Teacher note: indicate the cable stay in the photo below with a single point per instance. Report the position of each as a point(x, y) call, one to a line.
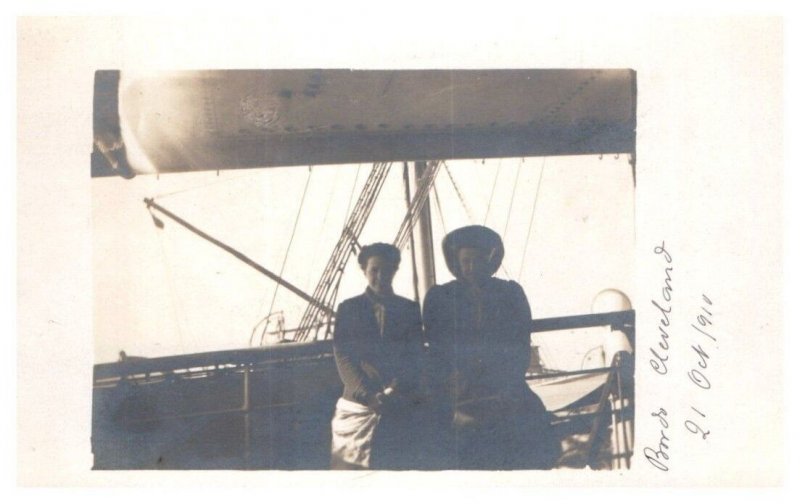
point(511, 204)
point(530, 223)
point(491, 195)
point(216, 182)
point(288, 249)
point(350, 199)
point(439, 208)
point(324, 225)
point(461, 198)
point(175, 300)
point(328, 286)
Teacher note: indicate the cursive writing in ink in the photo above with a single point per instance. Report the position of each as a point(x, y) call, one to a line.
point(694, 427)
point(660, 353)
point(698, 374)
point(658, 457)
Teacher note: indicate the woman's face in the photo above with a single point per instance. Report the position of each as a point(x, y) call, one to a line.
point(474, 265)
point(379, 273)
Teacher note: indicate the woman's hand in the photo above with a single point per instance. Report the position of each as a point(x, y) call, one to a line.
point(376, 402)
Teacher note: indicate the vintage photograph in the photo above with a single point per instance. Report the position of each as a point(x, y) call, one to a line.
point(348, 269)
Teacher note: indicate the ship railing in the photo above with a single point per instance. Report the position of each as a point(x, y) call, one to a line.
point(608, 413)
point(616, 397)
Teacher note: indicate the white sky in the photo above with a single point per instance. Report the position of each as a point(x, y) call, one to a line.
point(166, 291)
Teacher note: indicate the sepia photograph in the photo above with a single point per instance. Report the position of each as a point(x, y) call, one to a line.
point(402, 247)
point(363, 269)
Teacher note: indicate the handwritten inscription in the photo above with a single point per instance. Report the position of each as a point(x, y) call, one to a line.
point(660, 353)
point(693, 427)
point(698, 374)
point(702, 345)
point(659, 456)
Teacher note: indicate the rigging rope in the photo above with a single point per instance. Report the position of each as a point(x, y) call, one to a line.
point(327, 288)
point(202, 186)
point(530, 224)
point(439, 208)
point(460, 196)
point(352, 193)
point(491, 196)
point(508, 216)
point(175, 303)
point(314, 256)
point(420, 197)
point(288, 248)
point(511, 205)
point(466, 208)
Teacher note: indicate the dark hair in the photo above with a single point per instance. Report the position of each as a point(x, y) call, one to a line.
point(385, 250)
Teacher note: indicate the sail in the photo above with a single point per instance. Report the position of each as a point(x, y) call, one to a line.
point(225, 119)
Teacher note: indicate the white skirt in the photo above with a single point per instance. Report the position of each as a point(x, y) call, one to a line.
point(353, 427)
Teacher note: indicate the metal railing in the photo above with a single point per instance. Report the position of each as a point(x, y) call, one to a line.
point(615, 403)
point(240, 365)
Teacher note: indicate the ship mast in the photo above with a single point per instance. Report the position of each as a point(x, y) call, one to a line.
point(423, 236)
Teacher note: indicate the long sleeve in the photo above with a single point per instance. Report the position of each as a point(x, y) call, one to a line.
point(507, 352)
point(519, 357)
point(439, 335)
point(358, 385)
point(411, 362)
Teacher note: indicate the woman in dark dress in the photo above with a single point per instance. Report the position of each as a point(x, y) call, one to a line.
point(378, 347)
point(478, 328)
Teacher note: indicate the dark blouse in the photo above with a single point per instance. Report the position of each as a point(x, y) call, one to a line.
point(369, 361)
point(480, 351)
point(479, 339)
